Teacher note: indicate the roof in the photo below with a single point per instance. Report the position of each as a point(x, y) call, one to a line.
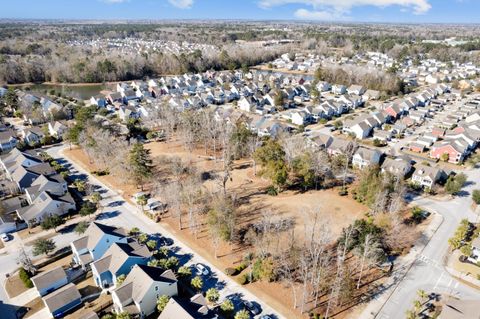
point(424, 171)
point(367, 154)
point(460, 309)
point(174, 310)
point(96, 231)
point(118, 254)
point(139, 281)
point(45, 279)
point(61, 297)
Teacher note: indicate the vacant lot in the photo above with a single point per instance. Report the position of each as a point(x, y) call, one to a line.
point(336, 211)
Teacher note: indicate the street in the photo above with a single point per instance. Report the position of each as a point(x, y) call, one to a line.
point(428, 271)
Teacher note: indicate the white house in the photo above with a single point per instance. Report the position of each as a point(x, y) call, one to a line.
point(141, 290)
point(364, 157)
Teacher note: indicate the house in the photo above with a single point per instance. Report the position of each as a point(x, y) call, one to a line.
point(339, 89)
point(49, 281)
point(323, 86)
point(361, 130)
point(299, 117)
point(195, 308)
point(57, 129)
point(139, 293)
point(426, 176)
point(381, 135)
point(247, 104)
point(118, 260)
point(356, 89)
point(364, 157)
point(98, 240)
point(63, 300)
point(371, 95)
point(32, 135)
point(398, 166)
point(8, 140)
point(394, 111)
point(454, 151)
point(53, 184)
point(99, 101)
point(460, 309)
point(46, 204)
point(416, 147)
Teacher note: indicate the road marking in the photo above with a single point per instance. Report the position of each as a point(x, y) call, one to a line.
point(438, 281)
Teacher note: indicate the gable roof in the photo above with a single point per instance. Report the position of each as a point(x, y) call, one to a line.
point(118, 254)
point(45, 279)
point(61, 297)
point(96, 231)
point(139, 281)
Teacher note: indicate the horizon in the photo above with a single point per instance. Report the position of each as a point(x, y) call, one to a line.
point(304, 11)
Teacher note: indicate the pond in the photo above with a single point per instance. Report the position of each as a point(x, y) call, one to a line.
point(83, 92)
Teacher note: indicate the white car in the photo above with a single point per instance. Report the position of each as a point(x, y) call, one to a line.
point(202, 269)
point(5, 237)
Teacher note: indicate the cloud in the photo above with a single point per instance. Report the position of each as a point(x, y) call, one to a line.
point(182, 4)
point(339, 9)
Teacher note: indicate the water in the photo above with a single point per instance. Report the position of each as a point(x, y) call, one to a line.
point(83, 92)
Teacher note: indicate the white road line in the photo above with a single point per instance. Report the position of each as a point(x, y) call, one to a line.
point(439, 278)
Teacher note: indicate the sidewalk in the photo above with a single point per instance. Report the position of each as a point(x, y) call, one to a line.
point(403, 265)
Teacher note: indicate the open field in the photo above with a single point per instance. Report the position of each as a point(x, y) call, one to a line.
point(336, 211)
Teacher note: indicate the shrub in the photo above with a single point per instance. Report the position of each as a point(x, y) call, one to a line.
point(476, 196)
point(243, 280)
point(25, 278)
point(231, 271)
point(272, 191)
point(241, 267)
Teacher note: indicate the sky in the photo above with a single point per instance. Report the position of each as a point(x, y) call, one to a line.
point(394, 11)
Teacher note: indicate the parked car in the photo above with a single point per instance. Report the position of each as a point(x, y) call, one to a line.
point(5, 237)
point(202, 269)
point(253, 307)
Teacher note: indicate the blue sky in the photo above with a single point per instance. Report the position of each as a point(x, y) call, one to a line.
point(431, 11)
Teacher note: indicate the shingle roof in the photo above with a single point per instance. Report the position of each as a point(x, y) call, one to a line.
point(45, 279)
point(61, 297)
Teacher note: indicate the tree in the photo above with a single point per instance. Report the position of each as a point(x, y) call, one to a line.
point(81, 227)
point(96, 198)
point(152, 244)
point(81, 185)
point(455, 183)
point(184, 271)
point(120, 279)
point(43, 246)
point(212, 295)
point(123, 315)
point(52, 222)
point(142, 201)
point(140, 164)
point(272, 158)
point(25, 278)
point(197, 283)
point(242, 314)
point(227, 306)
point(87, 209)
point(134, 231)
point(476, 196)
point(162, 302)
point(142, 238)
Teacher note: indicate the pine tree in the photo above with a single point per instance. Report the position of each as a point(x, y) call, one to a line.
point(140, 163)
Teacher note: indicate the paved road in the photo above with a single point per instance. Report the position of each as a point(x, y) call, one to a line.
point(120, 213)
point(428, 272)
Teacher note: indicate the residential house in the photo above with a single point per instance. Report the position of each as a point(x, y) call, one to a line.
point(339, 89)
point(32, 135)
point(371, 95)
point(356, 89)
point(196, 307)
point(98, 240)
point(365, 157)
point(426, 176)
point(8, 140)
point(63, 300)
point(118, 260)
point(139, 293)
point(454, 151)
point(46, 204)
point(398, 166)
point(361, 130)
point(49, 281)
point(57, 129)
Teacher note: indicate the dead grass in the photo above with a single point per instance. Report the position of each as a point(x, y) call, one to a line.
point(335, 210)
point(35, 306)
point(14, 286)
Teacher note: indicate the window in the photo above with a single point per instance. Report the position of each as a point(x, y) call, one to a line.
point(156, 288)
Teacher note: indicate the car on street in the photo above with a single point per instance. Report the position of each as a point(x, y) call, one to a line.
point(202, 269)
point(253, 307)
point(5, 237)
